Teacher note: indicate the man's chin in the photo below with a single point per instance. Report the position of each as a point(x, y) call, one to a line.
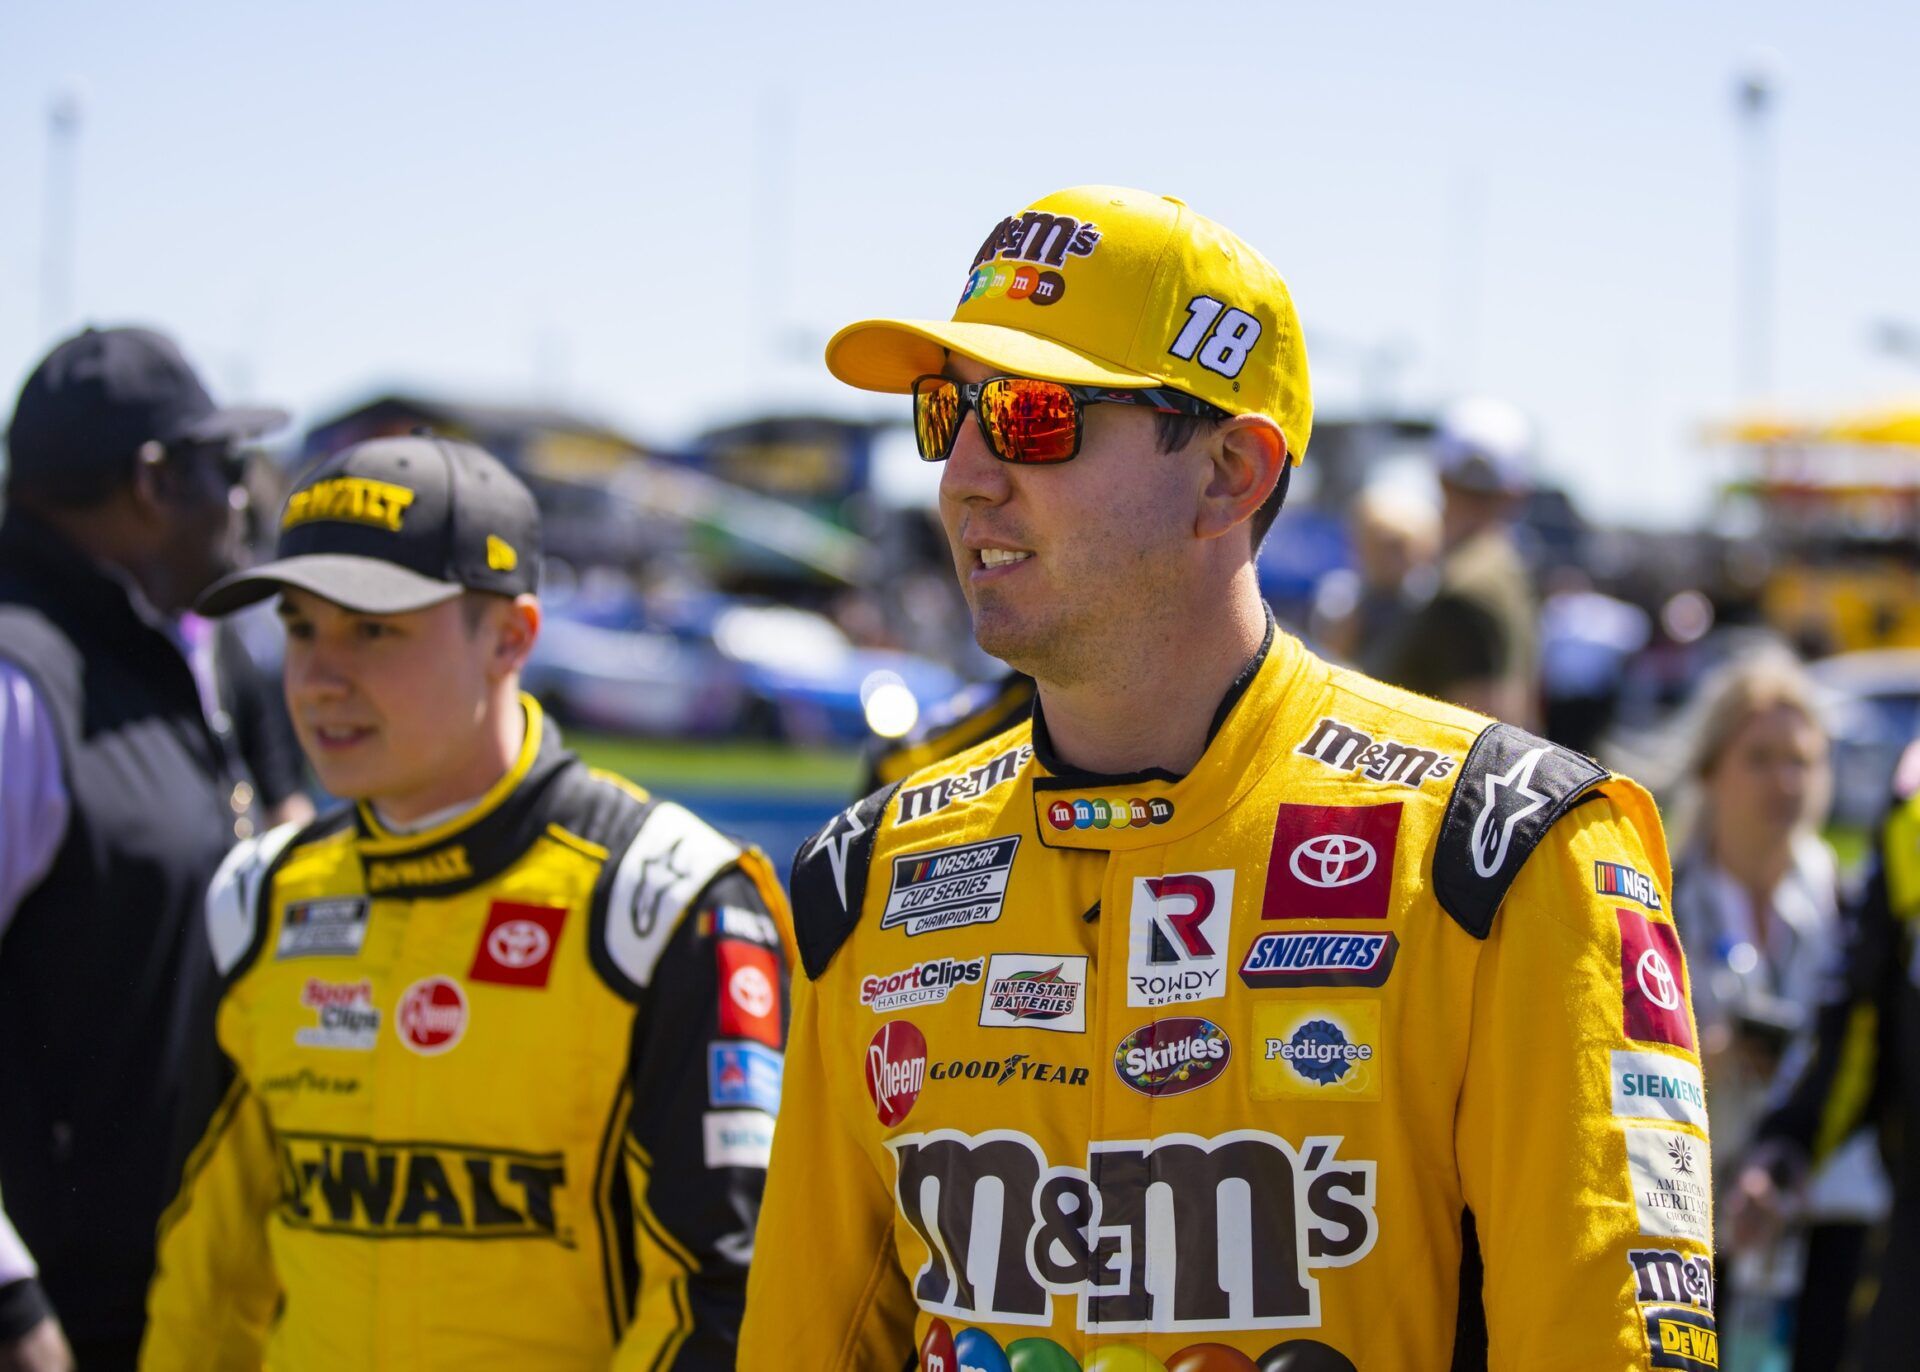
point(1018, 645)
point(346, 782)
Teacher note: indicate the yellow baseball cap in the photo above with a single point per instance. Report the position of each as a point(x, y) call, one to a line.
point(1105, 286)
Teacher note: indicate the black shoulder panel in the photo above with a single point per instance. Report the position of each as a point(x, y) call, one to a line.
point(829, 882)
point(596, 806)
point(1509, 792)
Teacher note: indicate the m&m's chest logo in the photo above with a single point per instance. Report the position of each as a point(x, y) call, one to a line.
point(1099, 813)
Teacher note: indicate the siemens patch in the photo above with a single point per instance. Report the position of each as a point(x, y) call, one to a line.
point(950, 887)
point(1658, 1086)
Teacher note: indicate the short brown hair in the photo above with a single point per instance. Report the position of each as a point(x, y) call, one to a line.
point(1177, 430)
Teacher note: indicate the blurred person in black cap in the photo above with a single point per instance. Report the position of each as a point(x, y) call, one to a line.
point(1476, 641)
point(120, 789)
point(574, 989)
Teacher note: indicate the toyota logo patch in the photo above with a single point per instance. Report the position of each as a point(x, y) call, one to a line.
point(1656, 980)
point(1333, 860)
point(518, 943)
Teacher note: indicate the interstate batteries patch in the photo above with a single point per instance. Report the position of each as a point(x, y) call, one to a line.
point(950, 887)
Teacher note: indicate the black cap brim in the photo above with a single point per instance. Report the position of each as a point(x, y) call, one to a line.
point(365, 585)
point(236, 424)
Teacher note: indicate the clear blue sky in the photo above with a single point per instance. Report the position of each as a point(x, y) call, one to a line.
point(659, 212)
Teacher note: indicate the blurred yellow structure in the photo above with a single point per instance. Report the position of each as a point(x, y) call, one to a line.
point(1834, 508)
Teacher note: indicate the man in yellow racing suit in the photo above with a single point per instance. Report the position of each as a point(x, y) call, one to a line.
point(1237, 1011)
point(495, 1078)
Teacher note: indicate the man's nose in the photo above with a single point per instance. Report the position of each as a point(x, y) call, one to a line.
point(971, 472)
point(315, 674)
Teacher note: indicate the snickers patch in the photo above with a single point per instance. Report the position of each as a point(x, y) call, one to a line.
point(1319, 959)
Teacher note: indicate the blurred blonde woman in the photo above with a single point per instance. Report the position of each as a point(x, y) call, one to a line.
point(1756, 900)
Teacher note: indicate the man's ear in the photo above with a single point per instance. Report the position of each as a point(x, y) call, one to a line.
point(148, 491)
point(1248, 454)
point(517, 626)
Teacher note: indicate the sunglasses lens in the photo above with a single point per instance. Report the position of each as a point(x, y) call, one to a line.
point(1028, 420)
point(936, 413)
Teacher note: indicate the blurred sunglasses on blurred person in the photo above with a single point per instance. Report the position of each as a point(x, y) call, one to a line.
point(193, 470)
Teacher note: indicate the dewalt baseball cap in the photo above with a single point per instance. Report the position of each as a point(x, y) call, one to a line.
point(397, 524)
point(1105, 286)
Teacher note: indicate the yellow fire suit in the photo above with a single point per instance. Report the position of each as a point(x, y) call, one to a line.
point(496, 1095)
point(1366, 1043)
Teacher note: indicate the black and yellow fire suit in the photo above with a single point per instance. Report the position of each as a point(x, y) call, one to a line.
point(1861, 1065)
point(1366, 1043)
point(497, 1095)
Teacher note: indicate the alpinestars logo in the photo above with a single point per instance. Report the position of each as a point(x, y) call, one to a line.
point(1509, 799)
point(837, 841)
point(652, 888)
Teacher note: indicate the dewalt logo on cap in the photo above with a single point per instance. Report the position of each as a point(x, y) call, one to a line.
point(500, 554)
point(351, 499)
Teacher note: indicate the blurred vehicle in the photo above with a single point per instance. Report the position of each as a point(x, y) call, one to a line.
point(1835, 504)
point(1872, 700)
point(710, 666)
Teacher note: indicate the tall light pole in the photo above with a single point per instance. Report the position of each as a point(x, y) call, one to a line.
point(57, 225)
point(772, 219)
point(1754, 94)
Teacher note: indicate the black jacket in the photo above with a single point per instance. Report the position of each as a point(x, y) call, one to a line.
point(104, 973)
